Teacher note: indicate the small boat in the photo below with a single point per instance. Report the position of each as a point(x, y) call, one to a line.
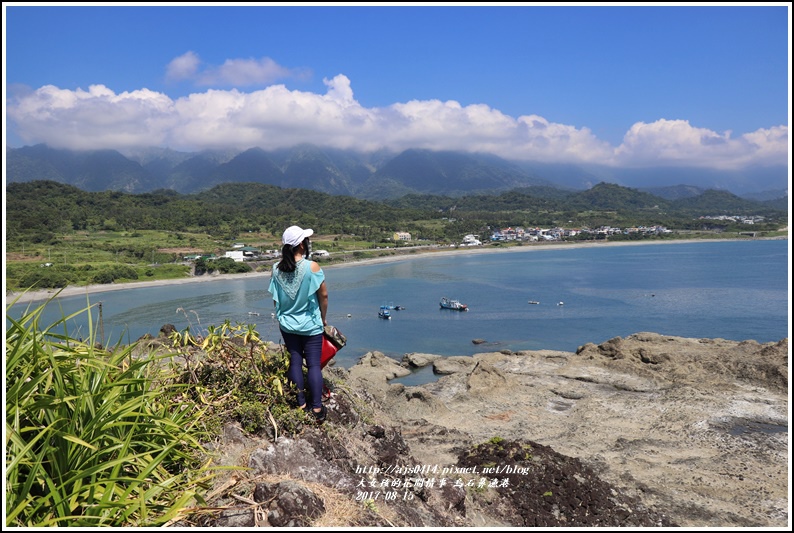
point(534, 302)
point(560, 303)
point(253, 313)
point(384, 312)
point(449, 303)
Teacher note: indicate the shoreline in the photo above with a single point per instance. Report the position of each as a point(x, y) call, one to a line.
point(46, 294)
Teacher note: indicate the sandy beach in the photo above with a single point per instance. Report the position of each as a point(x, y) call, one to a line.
point(31, 296)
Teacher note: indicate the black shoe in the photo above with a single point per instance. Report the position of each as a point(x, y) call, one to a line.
point(320, 417)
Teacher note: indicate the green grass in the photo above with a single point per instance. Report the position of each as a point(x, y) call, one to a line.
point(99, 246)
point(77, 257)
point(94, 437)
point(112, 436)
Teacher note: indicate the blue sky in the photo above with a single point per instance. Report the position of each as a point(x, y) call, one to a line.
point(618, 85)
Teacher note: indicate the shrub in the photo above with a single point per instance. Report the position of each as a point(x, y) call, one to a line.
point(103, 276)
point(227, 265)
point(45, 278)
point(111, 274)
point(239, 378)
point(94, 437)
point(252, 416)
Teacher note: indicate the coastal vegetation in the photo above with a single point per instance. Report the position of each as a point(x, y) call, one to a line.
point(93, 437)
point(121, 436)
point(58, 235)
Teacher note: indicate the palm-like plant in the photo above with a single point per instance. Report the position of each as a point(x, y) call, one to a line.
point(94, 437)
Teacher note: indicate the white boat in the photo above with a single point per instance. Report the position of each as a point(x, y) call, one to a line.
point(534, 302)
point(449, 303)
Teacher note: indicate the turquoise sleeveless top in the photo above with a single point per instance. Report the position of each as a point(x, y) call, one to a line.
point(295, 294)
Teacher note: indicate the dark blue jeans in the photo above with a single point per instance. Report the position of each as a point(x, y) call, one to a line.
point(310, 348)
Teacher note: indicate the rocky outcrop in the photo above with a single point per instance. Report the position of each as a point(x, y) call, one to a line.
point(647, 430)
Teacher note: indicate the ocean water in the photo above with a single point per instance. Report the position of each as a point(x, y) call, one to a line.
point(735, 290)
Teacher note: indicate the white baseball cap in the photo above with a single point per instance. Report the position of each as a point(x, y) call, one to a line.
point(294, 235)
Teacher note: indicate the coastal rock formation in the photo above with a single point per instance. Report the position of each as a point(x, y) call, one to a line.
point(647, 430)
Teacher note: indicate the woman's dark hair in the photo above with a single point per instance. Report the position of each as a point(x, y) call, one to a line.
point(287, 263)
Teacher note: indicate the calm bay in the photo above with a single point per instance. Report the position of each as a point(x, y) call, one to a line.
point(736, 290)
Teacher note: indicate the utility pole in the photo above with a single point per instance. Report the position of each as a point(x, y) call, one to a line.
point(101, 326)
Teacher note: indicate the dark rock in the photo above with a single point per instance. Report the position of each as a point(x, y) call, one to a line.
point(538, 487)
point(236, 517)
point(377, 431)
point(289, 504)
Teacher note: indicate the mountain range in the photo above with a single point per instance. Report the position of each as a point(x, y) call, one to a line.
point(378, 175)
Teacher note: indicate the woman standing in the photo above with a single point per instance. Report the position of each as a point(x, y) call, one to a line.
point(301, 299)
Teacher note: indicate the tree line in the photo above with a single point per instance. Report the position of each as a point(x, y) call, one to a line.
point(38, 211)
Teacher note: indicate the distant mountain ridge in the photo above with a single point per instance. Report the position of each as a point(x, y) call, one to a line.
point(374, 176)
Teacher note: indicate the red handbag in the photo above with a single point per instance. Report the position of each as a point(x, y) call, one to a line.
point(329, 351)
point(333, 341)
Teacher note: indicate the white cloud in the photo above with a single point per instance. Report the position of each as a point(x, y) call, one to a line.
point(676, 142)
point(244, 72)
point(339, 90)
point(232, 73)
point(183, 67)
point(97, 118)
point(276, 117)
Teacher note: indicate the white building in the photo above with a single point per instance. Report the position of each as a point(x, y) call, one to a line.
point(237, 255)
point(471, 240)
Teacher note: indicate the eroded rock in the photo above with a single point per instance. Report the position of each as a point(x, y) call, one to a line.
point(640, 431)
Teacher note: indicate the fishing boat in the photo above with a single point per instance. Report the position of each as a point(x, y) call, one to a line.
point(384, 312)
point(449, 303)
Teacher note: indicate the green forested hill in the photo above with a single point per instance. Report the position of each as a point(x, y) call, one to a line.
point(38, 210)
point(718, 203)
